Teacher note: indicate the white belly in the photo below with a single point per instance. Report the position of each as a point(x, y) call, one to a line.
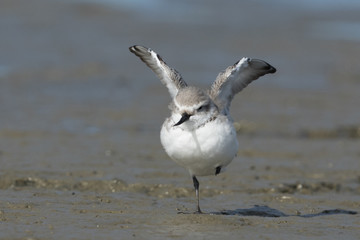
point(203, 150)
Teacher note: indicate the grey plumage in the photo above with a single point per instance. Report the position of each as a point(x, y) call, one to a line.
point(200, 135)
point(168, 76)
point(235, 78)
point(228, 83)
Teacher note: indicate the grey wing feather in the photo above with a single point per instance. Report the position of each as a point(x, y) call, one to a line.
point(168, 76)
point(235, 78)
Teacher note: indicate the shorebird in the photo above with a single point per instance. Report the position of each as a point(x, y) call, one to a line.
point(199, 135)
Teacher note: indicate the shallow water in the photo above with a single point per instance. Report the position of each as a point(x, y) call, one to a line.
point(80, 118)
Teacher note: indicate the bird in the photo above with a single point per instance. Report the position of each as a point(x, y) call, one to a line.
point(199, 135)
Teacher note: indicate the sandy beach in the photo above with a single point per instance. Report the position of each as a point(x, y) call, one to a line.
point(80, 118)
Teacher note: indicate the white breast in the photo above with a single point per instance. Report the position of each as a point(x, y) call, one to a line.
point(202, 150)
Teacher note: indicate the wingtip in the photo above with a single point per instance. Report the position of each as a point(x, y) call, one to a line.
point(132, 48)
point(138, 48)
point(272, 69)
point(261, 64)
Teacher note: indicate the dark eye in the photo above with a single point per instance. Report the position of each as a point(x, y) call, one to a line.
point(203, 107)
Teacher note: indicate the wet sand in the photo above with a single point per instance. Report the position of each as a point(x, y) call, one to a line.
point(80, 118)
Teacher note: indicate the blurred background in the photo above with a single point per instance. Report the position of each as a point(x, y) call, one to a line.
point(76, 105)
point(65, 67)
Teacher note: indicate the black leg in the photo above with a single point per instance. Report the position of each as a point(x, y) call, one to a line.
point(196, 185)
point(217, 170)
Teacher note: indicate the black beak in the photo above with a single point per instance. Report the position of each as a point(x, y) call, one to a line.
point(183, 118)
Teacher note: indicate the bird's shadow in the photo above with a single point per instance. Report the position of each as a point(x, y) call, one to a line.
point(265, 211)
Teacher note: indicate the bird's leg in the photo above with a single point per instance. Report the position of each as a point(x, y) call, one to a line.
point(196, 185)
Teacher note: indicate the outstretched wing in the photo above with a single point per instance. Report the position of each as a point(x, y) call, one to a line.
point(168, 76)
point(235, 78)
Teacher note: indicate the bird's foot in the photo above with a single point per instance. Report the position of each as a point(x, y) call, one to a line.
point(198, 212)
